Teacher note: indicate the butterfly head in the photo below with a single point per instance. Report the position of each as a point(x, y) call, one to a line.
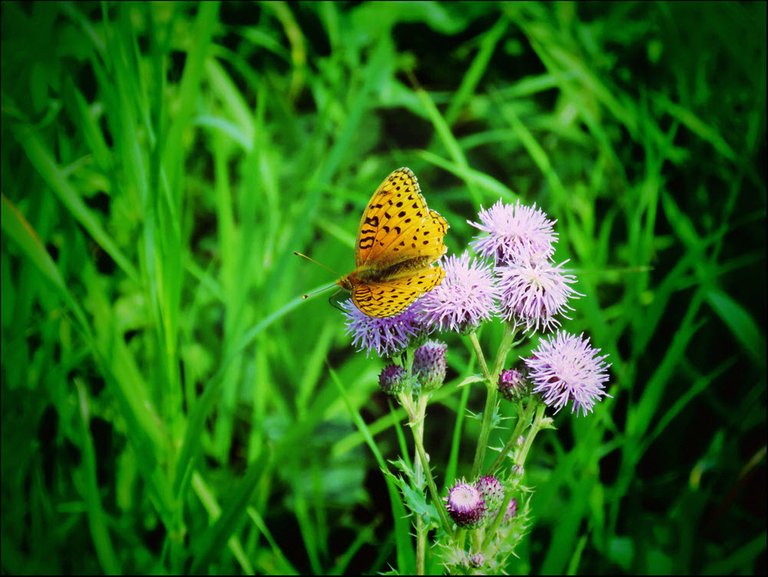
point(346, 282)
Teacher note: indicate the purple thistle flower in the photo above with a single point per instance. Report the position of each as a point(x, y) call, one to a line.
point(515, 232)
point(387, 336)
point(465, 298)
point(534, 291)
point(512, 385)
point(392, 380)
point(429, 364)
point(492, 491)
point(465, 505)
point(567, 368)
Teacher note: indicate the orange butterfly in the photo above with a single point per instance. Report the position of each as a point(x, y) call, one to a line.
point(398, 240)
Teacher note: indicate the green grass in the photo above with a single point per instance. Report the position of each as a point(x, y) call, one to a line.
point(170, 403)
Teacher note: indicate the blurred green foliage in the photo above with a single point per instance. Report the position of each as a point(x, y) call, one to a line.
point(169, 402)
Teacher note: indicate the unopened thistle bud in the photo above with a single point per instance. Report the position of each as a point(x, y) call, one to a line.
point(429, 364)
point(476, 560)
point(392, 380)
point(492, 491)
point(513, 385)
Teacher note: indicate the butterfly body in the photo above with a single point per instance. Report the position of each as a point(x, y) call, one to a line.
point(398, 240)
point(370, 274)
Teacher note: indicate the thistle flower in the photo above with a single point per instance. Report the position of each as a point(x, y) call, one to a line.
point(512, 385)
point(392, 380)
point(429, 364)
point(387, 336)
point(534, 291)
point(492, 491)
point(515, 232)
point(567, 368)
point(464, 299)
point(465, 505)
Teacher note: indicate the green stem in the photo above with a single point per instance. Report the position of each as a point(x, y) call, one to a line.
point(520, 458)
point(523, 420)
point(421, 532)
point(480, 355)
point(447, 524)
point(504, 347)
point(485, 430)
point(491, 391)
point(416, 417)
point(461, 536)
point(535, 428)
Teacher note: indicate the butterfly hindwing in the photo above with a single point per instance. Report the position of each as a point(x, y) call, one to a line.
point(391, 297)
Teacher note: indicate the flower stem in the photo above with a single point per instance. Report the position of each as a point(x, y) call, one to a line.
point(480, 355)
point(510, 330)
point(491, 391)
point(523, 421)
point(538, 420)
point(485, 430)
point(433, 488)
point(520, 458)
point(416, 416)
point(421, 533)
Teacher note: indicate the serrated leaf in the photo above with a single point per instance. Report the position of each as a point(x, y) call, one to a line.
point(469, 380)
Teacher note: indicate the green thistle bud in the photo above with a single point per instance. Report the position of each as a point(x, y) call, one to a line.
point(491, 490)
point(429, 364)
point(392, 380)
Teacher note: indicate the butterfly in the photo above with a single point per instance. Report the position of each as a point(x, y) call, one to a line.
point(398, 240)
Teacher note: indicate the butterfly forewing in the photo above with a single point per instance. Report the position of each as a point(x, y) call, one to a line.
point(397, 225)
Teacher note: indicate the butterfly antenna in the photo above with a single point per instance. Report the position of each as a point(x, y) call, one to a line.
point(310, 259)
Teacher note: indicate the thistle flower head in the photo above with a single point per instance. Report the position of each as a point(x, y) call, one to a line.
point(567, 368)
point(429, 364)
point(465, 505)
point(386, 336)
point(514, 232)
point(534, 292)
point(465, 298)
point(492, 491)
point(392, 380)
point(512, 385)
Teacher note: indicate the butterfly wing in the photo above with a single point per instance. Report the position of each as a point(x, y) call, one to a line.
point(391, 297)
point(397, 225)
point(398, 239)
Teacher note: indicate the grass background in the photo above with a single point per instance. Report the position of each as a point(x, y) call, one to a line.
point(170, 404)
